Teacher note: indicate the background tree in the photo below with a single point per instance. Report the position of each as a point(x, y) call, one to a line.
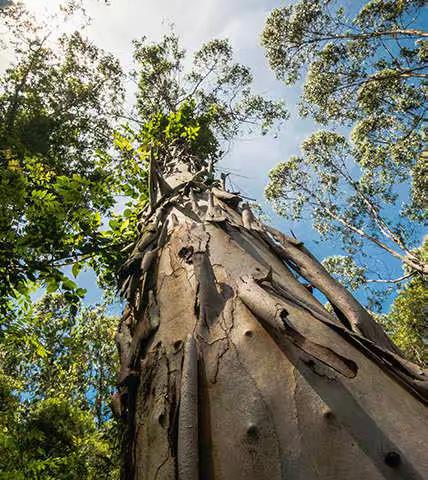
point(58, 102)
point(365, 67)
point(57, 375)
point(406, 322)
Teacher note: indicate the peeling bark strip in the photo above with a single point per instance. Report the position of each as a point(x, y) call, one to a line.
point(277, 317)
point(230, 367)
point(143, 331)
point(338, 296)
point(209, 302)
point(188, 450)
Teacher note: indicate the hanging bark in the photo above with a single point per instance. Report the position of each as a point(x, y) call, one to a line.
point(232, 369)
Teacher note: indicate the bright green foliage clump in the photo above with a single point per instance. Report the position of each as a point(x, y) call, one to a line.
point(183, 127)
point(406, 321)
point(364, 70)
point(54, 441)
point(56, 377)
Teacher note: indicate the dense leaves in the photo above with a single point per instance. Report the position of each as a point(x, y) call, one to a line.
point(343, 199)
point(406, 323)
point(217, 86)
point(57, 102)
point(56, 376)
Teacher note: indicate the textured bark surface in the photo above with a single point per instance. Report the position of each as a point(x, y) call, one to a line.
point(232, 369)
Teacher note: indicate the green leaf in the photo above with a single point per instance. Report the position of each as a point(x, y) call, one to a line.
point(81, 292)
point(68, 284)
point(52, 285)
point(76, 268)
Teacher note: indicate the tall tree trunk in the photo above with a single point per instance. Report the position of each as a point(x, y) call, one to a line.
point(232, 369)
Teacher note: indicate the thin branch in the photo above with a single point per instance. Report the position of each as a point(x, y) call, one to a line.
point(394, 280)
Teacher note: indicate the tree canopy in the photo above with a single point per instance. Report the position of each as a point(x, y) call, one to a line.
point(194, 111)
point(63, 169)
point(69, 152)
point(58, 101)
point(364, 66)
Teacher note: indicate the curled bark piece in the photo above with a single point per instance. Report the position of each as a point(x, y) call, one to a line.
point(315, 273)
point(394, 360)
point(124, 286)
point(164, 199)
point(153, 311)
point(209, 302)
point(152, 180)
point(163, 234)
point(149, 235)
point(260, 302)
point(214, 212)
point(228, 197)
point(174, 220)
point(131, 265)
point(248, 219)
point(164, 187)
point(116, 405)
point(143, 210)
point(279, 236)
point(187, 445)
point(326, 355)
point(263, 276)
point(318, 313)
point(123, 339)
point(276, 316)
point(130, 286)
point(143, 332)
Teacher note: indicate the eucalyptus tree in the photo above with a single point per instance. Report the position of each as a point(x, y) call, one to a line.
point(365, 67)
point(230, 366)
point(220, 338)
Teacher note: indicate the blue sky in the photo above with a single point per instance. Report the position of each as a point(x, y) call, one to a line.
point(196, 21)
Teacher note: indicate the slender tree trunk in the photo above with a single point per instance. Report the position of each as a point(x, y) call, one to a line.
point(230, 367)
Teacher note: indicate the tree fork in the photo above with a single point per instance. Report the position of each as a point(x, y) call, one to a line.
point(244, 374)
